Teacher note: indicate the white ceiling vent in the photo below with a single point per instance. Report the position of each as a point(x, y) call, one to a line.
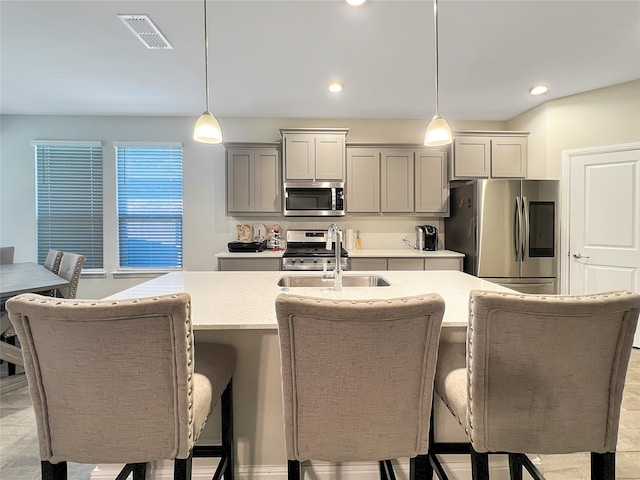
point(144, 29)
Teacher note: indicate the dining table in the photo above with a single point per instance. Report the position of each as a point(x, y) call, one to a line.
point(17, 278)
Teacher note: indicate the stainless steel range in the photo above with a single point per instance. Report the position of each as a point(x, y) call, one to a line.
point(307, 250)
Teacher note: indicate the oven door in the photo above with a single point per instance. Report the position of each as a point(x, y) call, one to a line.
point(313, 201)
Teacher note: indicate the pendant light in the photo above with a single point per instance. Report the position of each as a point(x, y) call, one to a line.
point(438, 131)
point(207, 128)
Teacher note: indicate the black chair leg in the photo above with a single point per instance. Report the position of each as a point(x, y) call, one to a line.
point(139, 471)
point(53, 471)
point(603, 466)
point(293, 470)
point(420, 468)
point(182, 468)
point(386, 470)
point(479, 465)
point(226, 411)
point(11, 367)
point(515, 466)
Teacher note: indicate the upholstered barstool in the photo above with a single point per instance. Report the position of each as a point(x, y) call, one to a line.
point(114, 382)
point(357, 379)
point(540, 375)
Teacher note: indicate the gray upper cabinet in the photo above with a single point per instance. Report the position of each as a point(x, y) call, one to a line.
point(363, 180)
point(481, 154)
point(397, 184)
point(254, 182)
point(399, 180)
point(314, 154)
point(431, 182)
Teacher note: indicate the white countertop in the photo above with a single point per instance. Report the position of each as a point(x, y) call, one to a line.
point(404, 253)
point(245, 300)
point(370, 252)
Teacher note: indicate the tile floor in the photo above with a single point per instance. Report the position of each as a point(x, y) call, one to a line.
point(19, 459)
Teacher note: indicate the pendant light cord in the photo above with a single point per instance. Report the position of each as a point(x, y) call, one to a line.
point(206, 57)
point(435, 19)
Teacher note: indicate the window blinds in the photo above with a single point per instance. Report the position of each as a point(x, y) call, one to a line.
point(149, 206)
point(69, 199)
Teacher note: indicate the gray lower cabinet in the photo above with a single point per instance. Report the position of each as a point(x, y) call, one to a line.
point(254, 181)
point(401, 263)
point(248, 264)
point(403, 180)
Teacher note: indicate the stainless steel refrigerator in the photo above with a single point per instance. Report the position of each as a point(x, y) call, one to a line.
point(507, 230)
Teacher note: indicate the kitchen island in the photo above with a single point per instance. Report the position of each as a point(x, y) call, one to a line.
point(238, 308)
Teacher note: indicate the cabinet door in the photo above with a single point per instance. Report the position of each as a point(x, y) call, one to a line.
point(509, 157)
point(405, 263)
point(299, 151)
point(267, 182)
point(329, 157)
point(240, 180)
point(363, 180)
point(397, 181)
point(367, 264)
point(471, 156)
point(432, 182)
point(248, 264)
point(443, 264)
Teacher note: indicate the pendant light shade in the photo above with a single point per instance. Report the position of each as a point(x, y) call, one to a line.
point(438, 131)
point(207, 128)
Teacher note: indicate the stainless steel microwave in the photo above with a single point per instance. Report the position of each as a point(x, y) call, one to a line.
point(314, 199)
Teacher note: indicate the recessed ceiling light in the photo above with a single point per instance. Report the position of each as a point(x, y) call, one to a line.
point(335, 87)
point(539, 90)
point(356, 3)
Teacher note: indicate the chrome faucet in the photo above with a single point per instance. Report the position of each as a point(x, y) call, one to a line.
point(334, 234)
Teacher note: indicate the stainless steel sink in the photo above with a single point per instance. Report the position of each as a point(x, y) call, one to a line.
point(308, 281)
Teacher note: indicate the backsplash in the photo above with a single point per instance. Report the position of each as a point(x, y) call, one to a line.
point(375, 233)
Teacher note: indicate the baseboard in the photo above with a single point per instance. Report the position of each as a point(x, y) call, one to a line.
point(457, 467)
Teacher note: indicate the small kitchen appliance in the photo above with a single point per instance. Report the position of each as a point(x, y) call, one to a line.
point(426, 237)
point(306, 250)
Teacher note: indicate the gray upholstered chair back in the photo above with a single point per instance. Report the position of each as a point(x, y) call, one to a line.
point(357, 376)
point(111, 381)
point(6, 255)
point(52, 262)
point(546, 374)
point(70, 269)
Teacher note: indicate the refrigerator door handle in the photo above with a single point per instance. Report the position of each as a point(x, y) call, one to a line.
point(517, 229)
point(525, 237)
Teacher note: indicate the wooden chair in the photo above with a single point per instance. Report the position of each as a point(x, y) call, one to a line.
point(114, 382)
point(357, 379)
point(539, 374)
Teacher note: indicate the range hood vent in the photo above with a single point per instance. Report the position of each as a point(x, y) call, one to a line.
point(145, 31)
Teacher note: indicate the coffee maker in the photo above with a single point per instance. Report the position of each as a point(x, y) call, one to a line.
point(426, 237)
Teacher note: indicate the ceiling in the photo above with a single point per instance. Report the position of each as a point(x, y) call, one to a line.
point(276, 58)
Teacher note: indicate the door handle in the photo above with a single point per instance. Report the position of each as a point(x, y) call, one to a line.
point(517, 229)
point(579, 255)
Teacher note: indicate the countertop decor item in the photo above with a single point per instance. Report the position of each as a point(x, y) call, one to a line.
point(438, 131)
point(207, 128)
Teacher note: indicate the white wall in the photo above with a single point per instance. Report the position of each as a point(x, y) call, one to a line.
point(606, 116)
point(206, 227)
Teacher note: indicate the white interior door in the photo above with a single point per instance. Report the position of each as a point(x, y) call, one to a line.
point(604, 221)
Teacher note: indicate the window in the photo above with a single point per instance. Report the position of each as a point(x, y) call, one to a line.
point(149, 206)
point(69, 199)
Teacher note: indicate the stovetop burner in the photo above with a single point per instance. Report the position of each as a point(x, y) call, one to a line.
point(311, 251)
point(306, 250)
